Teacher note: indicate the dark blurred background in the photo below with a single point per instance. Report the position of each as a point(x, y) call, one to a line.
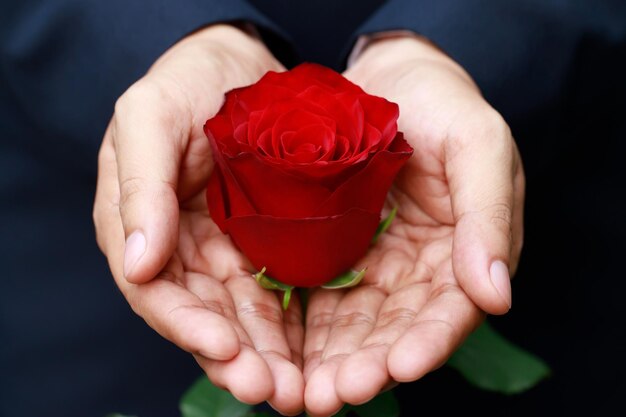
point(70, 345)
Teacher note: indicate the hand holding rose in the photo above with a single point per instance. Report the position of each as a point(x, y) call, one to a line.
point(171, 262)
point(447, 255)
point(304, 161)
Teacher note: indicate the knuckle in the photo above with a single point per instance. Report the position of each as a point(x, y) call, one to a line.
point(490, 124)
point(312, 356)
point(500, 215)
point(220, 307)
point(275, 354)
point(336, 357)
point(355, 318)
point(262, 311)
point(322, 319)
point(395, 316)
point(141, 91)
point(501, 212)
point(443, 327)
point(129, 188)
point(487, 126)
point(292, 316)
point(447, 290)
point(101, 215)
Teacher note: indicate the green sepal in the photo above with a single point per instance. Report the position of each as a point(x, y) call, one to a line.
point(348, 279)
point(384, 225)
point(287, 298)
point(270, 283)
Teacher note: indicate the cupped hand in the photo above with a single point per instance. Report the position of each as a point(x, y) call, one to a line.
point(450, 252)
point(171, 262)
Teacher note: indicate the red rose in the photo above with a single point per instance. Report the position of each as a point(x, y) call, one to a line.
point(304, 160)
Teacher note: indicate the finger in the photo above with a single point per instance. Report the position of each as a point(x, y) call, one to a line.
point(106, 213)
point(352, 321)
point(294, 330)
point(193, 324)
point(480, 170)
point(149, 132)
point(436, 332)
point(320, 396)
point(261, 316)
point(363, 374)
point(321, 306)
point(519, 191)
point(247, 376)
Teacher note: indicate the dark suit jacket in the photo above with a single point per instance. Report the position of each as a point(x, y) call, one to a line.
point(70, 346)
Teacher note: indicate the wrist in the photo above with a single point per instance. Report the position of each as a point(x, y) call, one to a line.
point(238, 39)
point(402, 49)
point(233, 54)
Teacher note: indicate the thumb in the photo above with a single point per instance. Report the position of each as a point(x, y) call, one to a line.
point(147, 136)
point(480, 172)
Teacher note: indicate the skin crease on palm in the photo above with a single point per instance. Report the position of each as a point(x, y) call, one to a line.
point(427, 286)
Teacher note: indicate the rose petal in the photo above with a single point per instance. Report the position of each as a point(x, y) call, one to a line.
point(371, 138)
point(381, 114)
point(304, 252)
point(273, 191)
point(225, 197)
point(241, 133)
point(270, 116)
point(344, 109)
point(220, 128)
point(309, 73)
point(260, 95)
point(342, 148)
point(265, 145)
point(294, 121)
point(326, 173)
point(215, 193)
point(308, 144)
point(367, 188)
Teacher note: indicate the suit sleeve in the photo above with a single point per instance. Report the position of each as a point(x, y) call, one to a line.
point(511, 49)
point(487, 37)
point(67, 61)
point(138, 31)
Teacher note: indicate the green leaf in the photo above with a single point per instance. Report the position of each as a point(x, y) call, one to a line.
point(270, 283)
point(490, 362)
point(384, 225)
point(345, 280)
point(383, 405)
point(204, 399)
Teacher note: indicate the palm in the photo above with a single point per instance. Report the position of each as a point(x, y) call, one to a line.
point(411, 311)
point(407, 312)
point(193, 286)
point(207, 284)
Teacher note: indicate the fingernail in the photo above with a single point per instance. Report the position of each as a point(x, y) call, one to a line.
point(135, 247)
point(500, 279)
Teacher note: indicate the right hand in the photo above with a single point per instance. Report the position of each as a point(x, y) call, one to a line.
point(448, 256)
point(171, 262)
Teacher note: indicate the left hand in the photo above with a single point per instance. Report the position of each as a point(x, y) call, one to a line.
point(169, 259)
point(449, 254)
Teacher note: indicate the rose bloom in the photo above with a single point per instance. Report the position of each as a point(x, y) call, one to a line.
point(303, 163)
